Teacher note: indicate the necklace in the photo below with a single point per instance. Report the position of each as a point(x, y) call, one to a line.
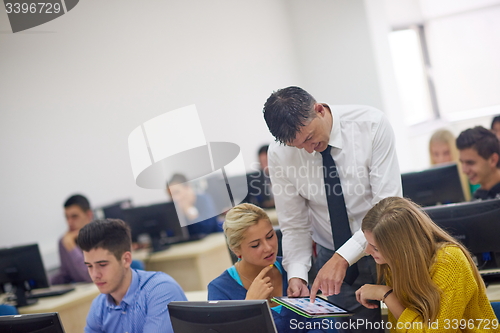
point(239, 273)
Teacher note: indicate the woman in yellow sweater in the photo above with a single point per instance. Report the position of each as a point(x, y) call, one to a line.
point(426, 278)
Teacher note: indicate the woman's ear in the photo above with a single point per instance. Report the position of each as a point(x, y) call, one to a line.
point(237, 253)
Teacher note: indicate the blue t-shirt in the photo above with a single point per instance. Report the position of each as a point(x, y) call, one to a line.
point(143, 309)
point(226, 287)
point(206, 222)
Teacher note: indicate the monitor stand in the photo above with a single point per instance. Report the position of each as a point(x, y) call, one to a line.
point(20, 299)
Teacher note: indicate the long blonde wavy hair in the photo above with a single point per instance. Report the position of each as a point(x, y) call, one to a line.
point(409, 240)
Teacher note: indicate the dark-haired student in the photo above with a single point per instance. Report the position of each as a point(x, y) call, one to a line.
point(131, 300)
point(198, 208)
point(78, 214)
point(480, 158)
point(495, 126)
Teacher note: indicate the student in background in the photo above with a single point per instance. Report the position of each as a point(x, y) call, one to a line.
point(259, 184)
point(495, 126)
point(425, 277)
point(442, 149)
point(480, 157)
point(131, 300)
point(198, 208)
point(7, 310)
point(258, 274)
point(78, 214)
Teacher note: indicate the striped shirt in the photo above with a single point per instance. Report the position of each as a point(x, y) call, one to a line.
point(143, 309)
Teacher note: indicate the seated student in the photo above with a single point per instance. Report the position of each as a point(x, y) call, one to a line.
point(258, 274)
point(78, 214)
point(7, 310)
point(431, 281)
point(495, 126)
point(480, 158)
point(131, 300)
point(198, 208)
point(442, 149)
point(259, 183)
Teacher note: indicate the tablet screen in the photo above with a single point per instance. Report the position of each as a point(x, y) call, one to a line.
point(319, 307)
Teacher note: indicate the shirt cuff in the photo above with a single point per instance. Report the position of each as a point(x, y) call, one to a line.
point(351, 252)
point(297, 270)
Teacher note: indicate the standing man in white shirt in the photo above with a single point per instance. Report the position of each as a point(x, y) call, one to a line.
point(361, 142)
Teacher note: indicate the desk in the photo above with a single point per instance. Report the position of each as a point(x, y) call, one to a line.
point(193, 264)
point(73, 307)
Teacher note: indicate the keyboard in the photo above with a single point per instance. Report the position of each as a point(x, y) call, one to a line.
point(49, 292)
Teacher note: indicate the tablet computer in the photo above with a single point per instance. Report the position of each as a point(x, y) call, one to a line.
point(321, 308)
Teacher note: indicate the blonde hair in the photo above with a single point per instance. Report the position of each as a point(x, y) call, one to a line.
point(238, 220)
point(445, 136)
point(409, 240)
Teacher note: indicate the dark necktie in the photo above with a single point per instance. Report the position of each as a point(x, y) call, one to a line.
point(341, 230)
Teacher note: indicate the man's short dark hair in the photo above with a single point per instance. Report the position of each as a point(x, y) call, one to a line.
point(286, 111)
point(177, 178)
point(78, 200)
point(263, 150)
point(495, 120)
point(481, 140)
point(109, 234)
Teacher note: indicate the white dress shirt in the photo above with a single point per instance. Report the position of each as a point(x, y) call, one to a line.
point(363, 149)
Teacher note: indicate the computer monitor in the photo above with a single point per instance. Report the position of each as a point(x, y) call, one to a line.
point(435, 186)
point(31, 323)
point(115, 210)
point(159, 221)
point(475, 224)
point(222, 316)
point(22, 267)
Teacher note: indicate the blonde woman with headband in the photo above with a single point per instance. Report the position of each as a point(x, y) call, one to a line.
point(426, 278)
point(258, 273)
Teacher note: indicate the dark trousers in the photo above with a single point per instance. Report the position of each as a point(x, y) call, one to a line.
point(363, 319)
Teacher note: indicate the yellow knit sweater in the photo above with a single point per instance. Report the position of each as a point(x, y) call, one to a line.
point(464, 305)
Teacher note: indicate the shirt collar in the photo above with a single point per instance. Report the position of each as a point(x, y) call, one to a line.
point(129, 296)
point(335, 136)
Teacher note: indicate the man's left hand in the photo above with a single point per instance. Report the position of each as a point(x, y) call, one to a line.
point(330, 277)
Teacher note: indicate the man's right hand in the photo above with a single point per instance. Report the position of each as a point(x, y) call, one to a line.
point(297, 288)
point(69, 240)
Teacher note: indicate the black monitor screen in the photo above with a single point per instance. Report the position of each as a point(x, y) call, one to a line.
point(475, 224)
point(22, 267)
point(31, 323)
point(159, 221)
point(115, 211)
point(439, 185)
point(221, 316)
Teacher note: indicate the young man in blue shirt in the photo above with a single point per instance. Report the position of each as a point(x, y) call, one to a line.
point(131, 300)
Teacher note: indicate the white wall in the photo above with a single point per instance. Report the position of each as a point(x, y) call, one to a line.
point(73, 89)
point(334, 48)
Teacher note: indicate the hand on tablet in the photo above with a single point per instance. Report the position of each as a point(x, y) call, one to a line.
point(261, 287)
point(330, 277)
